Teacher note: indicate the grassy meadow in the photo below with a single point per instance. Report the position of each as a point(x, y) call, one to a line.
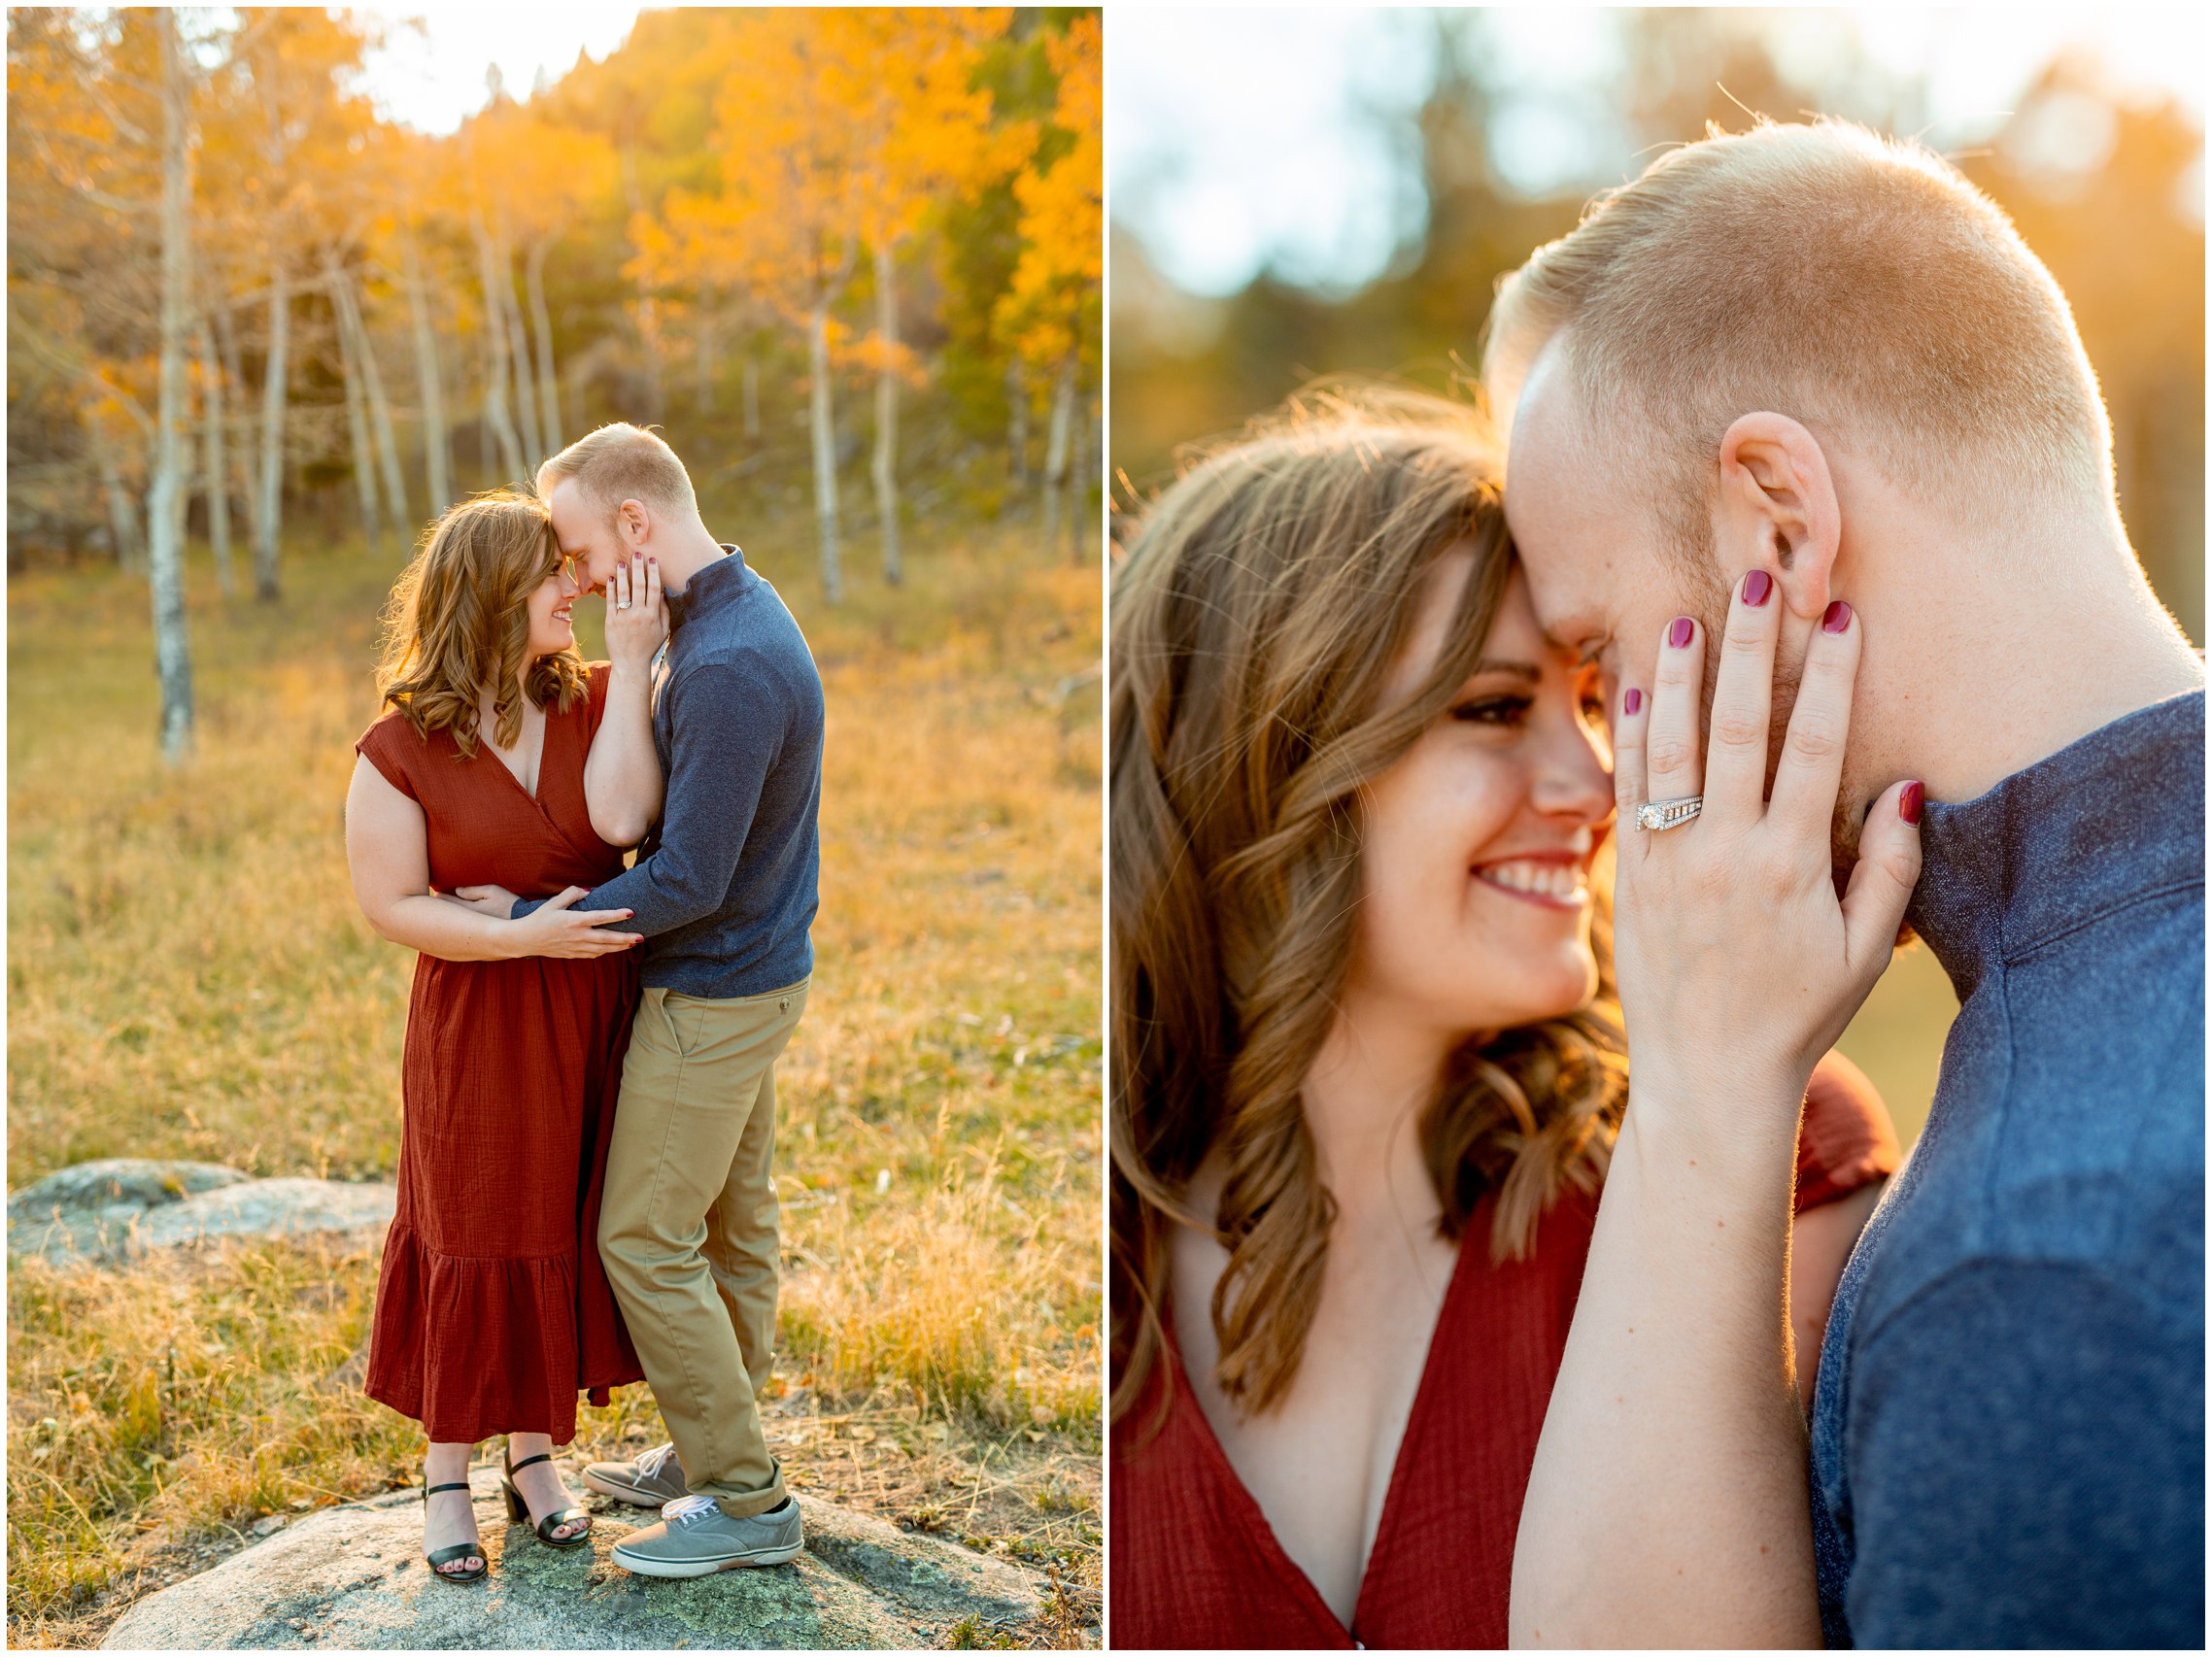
point(188, 977)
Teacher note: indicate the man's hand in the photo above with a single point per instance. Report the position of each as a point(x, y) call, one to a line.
point(495, 901)
point(556, 927)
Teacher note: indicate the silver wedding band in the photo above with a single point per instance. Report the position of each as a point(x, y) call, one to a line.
point(1662, 814)
point(624, 605)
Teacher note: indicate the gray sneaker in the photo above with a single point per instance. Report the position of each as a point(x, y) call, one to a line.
point(696, 1538)
point(653, 1480)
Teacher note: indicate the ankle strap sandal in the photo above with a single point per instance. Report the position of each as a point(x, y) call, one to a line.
point(460, 1550)
point(519, 1510)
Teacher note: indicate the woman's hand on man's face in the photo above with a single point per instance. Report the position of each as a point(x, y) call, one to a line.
point(637, 615)
point(1738, 965)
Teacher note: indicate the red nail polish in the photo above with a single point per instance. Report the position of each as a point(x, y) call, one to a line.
point(1909, 802)
point(1757, 584)
point(1837, 619)
point(1632, 701)
point(1679, 630)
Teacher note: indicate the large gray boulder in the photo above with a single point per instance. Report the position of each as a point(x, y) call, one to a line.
point(353, 1577)
point(122, 1206)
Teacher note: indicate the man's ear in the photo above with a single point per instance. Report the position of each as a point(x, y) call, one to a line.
point(1778, 509)
point(635, 523)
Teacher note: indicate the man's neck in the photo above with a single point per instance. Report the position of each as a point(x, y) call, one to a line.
point(687, 553)
point(2027, 650)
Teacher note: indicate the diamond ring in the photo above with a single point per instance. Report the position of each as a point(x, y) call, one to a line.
point(1661, 814)
point(624, 605)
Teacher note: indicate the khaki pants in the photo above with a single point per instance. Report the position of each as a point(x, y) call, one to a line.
point(687, 1226)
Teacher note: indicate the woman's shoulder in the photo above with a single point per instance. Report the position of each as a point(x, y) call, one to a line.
point(393, 745)
point(391, 733)
point(1845, 1139)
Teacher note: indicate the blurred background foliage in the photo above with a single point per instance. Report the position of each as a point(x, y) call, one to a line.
point(1462, 152)
point(777, 235)
point(2104, 180)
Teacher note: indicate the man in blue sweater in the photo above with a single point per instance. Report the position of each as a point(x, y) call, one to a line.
point(1821, 371)
point(724, 893)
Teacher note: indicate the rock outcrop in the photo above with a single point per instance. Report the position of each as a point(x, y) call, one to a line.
point(119, 1207)
point(353, 1577)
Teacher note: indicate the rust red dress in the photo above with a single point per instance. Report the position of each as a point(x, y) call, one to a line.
point(1192, 1562)
point(493, 1310)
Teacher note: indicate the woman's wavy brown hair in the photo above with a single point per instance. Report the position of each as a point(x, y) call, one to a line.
point(1256, 618)
point(459, 622)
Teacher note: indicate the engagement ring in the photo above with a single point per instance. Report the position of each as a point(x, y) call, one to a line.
point(624, 605)
point(1660, 814)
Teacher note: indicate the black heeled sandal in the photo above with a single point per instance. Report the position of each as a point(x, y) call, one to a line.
point(459, 1550)
point(519, 1510)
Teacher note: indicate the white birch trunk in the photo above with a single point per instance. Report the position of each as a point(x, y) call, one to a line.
point(165, 527)
point(648, 310)
point(357, 413)
point(484, 450)
point(1017, 424)
point(379, 411)
point(1056, 452)
point(495, 413)
point(430, 389)
point(541, 322)
point(226, 347)
point(534, 450)
point(123, 512)
point(1079, 465)
point(823, 428)
point(216, 457)
point(268, 518)
point(887, 415)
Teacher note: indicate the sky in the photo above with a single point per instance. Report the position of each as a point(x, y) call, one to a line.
point(1236, 137)
point(432, 76)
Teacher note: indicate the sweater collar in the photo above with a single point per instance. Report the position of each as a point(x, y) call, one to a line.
point(708, 589)
point(2115, 816)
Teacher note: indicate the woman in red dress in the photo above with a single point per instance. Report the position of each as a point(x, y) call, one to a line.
point(1368, 1061)
point(503, 757)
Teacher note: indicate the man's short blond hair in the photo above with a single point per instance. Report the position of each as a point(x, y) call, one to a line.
point(1859, 285)
point(622, 462)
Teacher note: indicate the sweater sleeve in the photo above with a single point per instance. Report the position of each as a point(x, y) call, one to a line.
point(724, 736)
point(2026, 1445)
point(1845, 1139)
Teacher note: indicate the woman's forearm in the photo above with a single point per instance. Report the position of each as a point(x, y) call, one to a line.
point(621, 772)
point(1673, 1421)
point(448, 930)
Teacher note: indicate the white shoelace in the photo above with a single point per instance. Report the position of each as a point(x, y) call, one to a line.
point(685, 1508)
point(650, 1463)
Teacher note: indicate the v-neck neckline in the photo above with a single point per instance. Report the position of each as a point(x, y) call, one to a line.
point(544, 740)
point(1287, 1566)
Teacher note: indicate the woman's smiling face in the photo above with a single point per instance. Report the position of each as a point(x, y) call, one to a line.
point(1478, 842)
point(550, 601)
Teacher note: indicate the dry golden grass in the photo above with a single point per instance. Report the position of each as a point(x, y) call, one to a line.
point(188, 977)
